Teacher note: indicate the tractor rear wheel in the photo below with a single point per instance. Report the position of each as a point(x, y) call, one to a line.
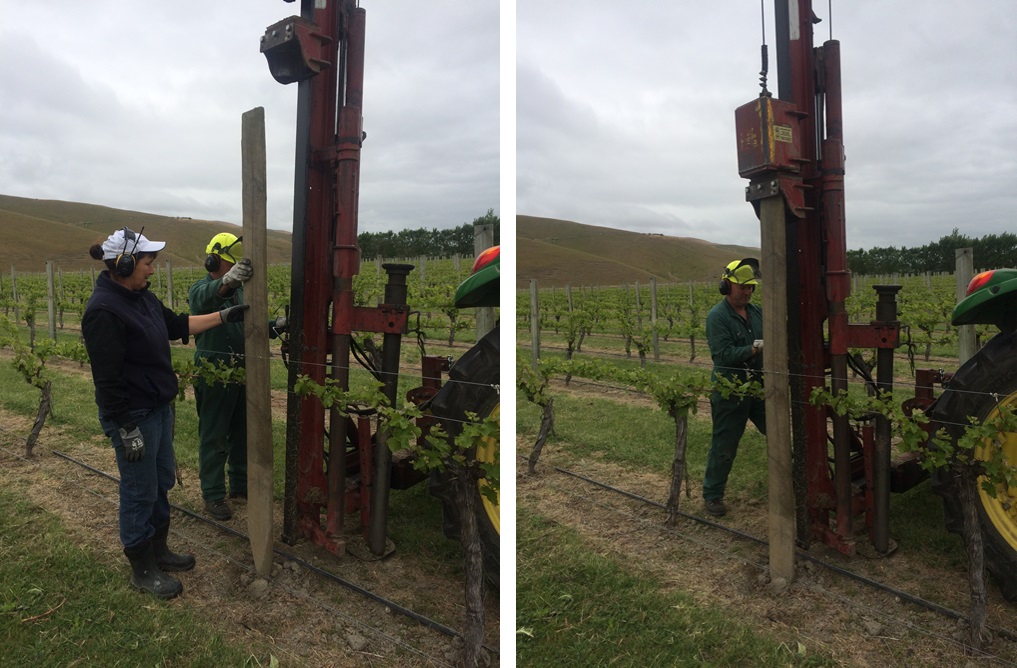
point(472, 388)
point(984, 384)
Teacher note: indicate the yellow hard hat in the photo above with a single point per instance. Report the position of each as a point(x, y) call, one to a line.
point(743, 272)
point(227, 246)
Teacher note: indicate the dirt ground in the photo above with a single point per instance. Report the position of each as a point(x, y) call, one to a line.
point(824, 611)
point(303, 618)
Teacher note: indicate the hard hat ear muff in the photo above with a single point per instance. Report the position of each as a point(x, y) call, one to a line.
point(212, 261)
point(743, 272)
point(725, 279)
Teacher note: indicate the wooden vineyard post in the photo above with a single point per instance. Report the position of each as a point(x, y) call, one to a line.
point(776, 379)
point(534, 325)
point(50, 300)
point(169, 285)
point(14, 294)
point(259, 399)
point(964, 271)
point(653, 319)
point(483, 238)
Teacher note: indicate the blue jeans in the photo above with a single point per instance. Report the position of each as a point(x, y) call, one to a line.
point(144, 484)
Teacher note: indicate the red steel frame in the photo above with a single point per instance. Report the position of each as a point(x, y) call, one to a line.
point(326, 258)
point(846, 469)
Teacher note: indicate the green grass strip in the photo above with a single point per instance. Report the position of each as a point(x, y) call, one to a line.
point(60, 607)
point(641, 438)
point(578, 608)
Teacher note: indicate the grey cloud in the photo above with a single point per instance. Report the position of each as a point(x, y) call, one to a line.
point(142, 109)
point(930, 98)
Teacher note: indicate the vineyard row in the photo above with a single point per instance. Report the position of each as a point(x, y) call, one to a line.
point(645, 315)
point(63, 295)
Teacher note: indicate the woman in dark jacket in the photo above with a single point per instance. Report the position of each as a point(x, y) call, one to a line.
point(127, 331)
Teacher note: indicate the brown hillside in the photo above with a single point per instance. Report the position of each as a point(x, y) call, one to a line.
point(36, 231)
point(560, 252)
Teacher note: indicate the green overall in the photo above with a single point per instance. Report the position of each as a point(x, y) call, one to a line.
point(222, 408)
point(730, 339)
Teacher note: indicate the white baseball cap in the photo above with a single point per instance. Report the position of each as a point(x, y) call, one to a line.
point(126, 240)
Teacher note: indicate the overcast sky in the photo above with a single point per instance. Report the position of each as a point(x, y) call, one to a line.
point(137, 105)
point(625, 115)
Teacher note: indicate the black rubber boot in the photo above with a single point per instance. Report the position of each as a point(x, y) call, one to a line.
point(146, 576)
point(169, 562)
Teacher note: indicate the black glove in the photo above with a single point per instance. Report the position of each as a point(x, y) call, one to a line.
point(238, 273)
point(134, 442)
point(234, 313)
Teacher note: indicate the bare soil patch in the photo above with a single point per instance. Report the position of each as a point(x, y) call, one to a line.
point(826, 612)
point(303, 619)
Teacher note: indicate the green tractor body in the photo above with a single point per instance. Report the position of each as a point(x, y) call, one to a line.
point(979, 389)
point(473, 389)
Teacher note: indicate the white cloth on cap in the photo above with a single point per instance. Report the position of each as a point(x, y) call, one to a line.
point(119, 243)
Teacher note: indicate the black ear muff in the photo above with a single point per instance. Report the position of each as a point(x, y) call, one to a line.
point(125, 262)
point(724, 287)
point(125, 265)
point(212, 263)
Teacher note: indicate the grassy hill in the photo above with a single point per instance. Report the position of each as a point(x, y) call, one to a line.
point(36, 231)
point(555, 252)
point(560, 252)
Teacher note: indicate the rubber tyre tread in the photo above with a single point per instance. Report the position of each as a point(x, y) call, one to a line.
point(992, 370)
point(477, 373)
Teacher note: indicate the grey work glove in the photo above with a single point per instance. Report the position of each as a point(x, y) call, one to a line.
point(234, 313)
point(134, 442)
point(238, 273)
point(280, 325)
point(758, 345)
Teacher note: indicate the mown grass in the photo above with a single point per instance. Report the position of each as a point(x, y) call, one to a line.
point(916, 516)
point(74, 402)
point(58, 608)
point(640, 436)
point(414, 514)
point(74, 407)
point(578, 608)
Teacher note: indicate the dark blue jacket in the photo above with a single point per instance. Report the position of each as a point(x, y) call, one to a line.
point(127, 337)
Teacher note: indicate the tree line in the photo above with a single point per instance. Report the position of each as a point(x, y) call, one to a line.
point(992, 251)
point(422, 241)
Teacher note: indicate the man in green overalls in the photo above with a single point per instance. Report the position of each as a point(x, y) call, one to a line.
point(222, 407)
point(734, 332)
